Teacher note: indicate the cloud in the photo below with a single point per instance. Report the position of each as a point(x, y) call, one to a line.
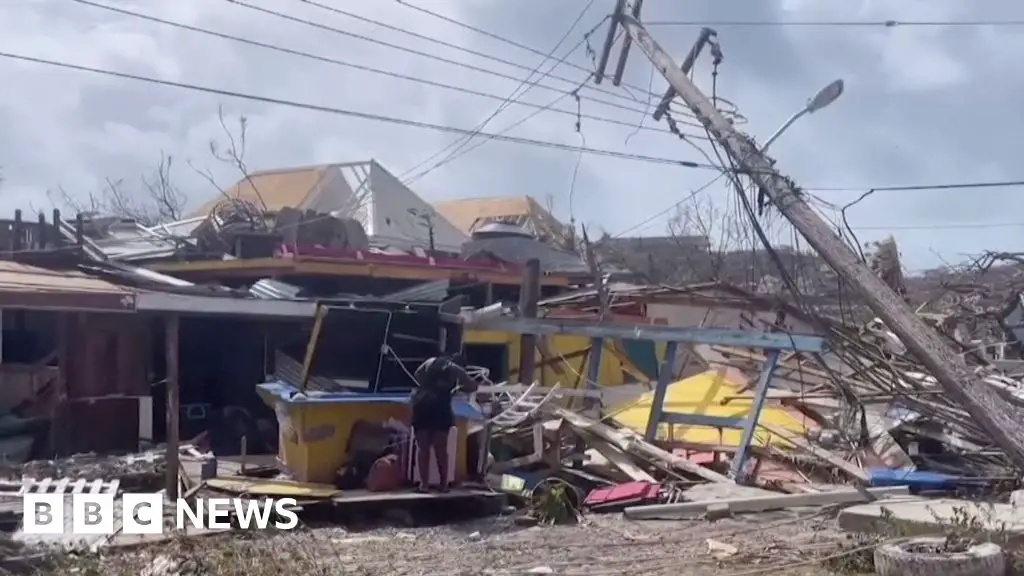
point(923, 104)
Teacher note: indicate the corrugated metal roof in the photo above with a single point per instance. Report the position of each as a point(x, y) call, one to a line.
point(17, 277)
point(270, 289)
point(435, 291)
point(128, 241)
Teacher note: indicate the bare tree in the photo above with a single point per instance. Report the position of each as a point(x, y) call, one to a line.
point(233, 154)
point(704, 236)
point(155, 199)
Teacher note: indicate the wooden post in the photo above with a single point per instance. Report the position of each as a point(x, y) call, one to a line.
point(66, 322)
point(529, 295)
point(40, 237)
point(173, 407)
point(19, 229)
point(79, 229)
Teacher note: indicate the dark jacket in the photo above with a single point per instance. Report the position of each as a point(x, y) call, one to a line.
point(437, 379)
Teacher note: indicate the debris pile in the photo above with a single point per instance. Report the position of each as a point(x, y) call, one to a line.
point(863, 413)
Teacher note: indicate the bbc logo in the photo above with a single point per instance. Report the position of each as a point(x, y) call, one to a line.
point(92, 514)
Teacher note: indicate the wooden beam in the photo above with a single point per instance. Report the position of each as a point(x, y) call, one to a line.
point(173, 406)
point(321, 266)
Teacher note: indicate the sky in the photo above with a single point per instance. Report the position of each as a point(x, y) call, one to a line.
point(922, 105)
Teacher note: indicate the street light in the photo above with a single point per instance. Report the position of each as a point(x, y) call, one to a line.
point(823, 98)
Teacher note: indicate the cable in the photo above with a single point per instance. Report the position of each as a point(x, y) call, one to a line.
point(453, 46)
point(946, 186)
point(342, 63)
point(453, 148)
point(837, 23)
point(413, 51)
point(509, 42)
point(354, 113)
point(502, 132)
point(693, 193)
point(909, 188)
point(963, 226)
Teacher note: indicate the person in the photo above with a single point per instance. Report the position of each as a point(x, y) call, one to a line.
point(437, 380)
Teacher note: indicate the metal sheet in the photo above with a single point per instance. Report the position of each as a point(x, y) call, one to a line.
point(740, 338)
point(213, 305)
point(435, 291)
point(270, 289)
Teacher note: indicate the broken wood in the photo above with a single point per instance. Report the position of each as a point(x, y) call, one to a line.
point(620, 460)
point(762, 503)
point(631, 443)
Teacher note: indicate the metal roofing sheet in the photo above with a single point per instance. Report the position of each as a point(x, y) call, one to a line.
point(435, 291)
point(270, 289)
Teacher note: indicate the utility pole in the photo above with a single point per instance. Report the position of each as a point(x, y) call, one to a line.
point(995, 415)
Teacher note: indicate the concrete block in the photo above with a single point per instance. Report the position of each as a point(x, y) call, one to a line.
point(718, 511)
point(920, 516)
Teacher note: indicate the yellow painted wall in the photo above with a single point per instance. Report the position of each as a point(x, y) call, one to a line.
point(611, 373)
point(706, 394)
point(313, 446)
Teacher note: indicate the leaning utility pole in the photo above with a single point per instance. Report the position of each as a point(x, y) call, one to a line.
point(995, 415)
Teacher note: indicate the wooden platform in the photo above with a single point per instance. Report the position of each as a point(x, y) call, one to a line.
point(410, 495)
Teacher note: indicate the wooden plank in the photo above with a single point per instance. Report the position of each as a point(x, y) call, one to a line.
point(620, 460)
point(631, 443)
point(801, 443)
point(764, 503)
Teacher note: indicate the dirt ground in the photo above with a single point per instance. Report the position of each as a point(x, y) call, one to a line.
point(788, 543)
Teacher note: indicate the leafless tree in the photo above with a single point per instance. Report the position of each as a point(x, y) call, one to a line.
point(232, 153)
point(703, 237)
point(154, 199)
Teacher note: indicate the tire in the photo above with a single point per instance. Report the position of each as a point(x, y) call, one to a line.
point(985, 559)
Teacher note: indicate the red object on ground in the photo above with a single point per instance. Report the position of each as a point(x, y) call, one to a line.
point(628, 492)
point(385, 475)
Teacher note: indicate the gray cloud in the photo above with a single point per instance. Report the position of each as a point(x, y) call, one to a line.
point(923, 104)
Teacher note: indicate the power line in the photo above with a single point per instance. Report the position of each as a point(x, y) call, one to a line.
point(838, 23)
point(510, 42)
point(420, 53)
point(454, 46)
point(693, 194)
point(357, 114)
point(507, 129)
point(352, 65)
point(913, 187)
point(453, 148)
point(951, 226)
point(908, 188)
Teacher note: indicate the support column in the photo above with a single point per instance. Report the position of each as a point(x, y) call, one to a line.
point(173, 407)
point(739, 459)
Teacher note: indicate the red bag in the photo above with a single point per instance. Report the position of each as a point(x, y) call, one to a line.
point(385, 474)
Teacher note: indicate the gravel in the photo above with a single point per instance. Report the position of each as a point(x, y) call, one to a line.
point(602, 545)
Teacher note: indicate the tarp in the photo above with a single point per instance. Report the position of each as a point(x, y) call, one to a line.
point(708, 394)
